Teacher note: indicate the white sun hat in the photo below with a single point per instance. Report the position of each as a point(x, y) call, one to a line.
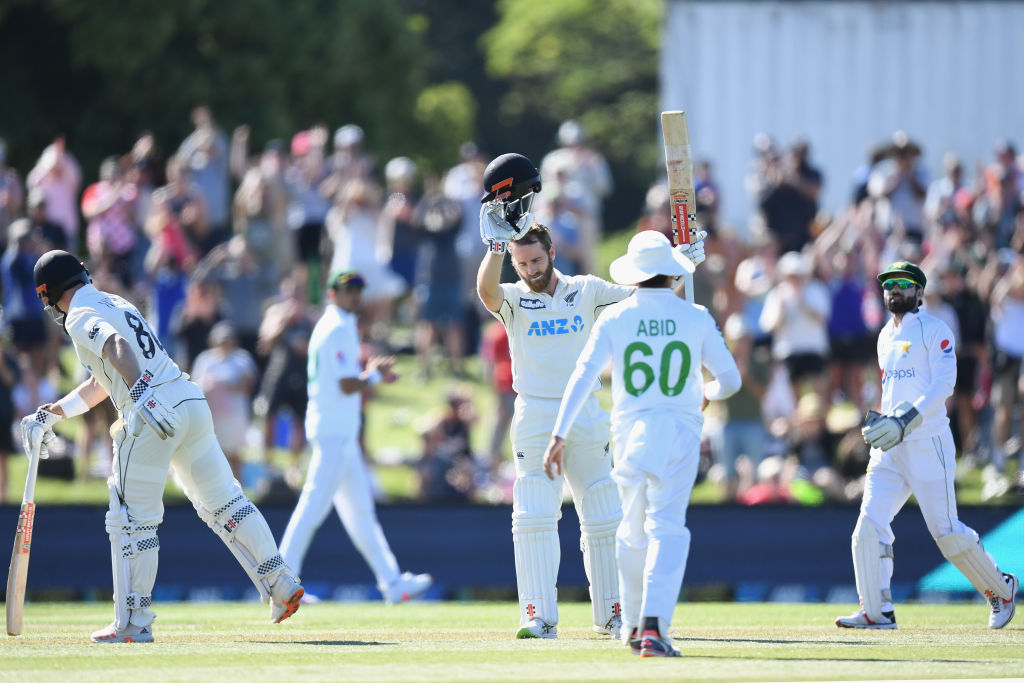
point(649, 253)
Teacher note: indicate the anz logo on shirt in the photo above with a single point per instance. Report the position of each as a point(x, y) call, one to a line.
point(542, 328)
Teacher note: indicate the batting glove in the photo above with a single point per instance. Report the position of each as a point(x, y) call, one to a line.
point(496, 232)
point(695, 249)
point(149, 410)
point(885, 431)
point(37, 432)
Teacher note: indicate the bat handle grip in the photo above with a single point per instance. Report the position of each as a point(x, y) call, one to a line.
point(30, 480)
point(688, 283)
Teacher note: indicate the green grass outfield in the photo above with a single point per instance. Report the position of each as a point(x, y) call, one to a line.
point(473, 642)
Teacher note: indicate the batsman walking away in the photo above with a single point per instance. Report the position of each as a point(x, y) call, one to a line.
point(912, 451)
point(164, 424)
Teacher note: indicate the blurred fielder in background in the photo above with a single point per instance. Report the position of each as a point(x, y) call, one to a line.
point(912, 451)
point(164, 423)
point(548, 316)
point(657, 344)
point(337, 471)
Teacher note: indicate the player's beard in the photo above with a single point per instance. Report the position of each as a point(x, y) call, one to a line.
point(901, 303)
point(541, 283)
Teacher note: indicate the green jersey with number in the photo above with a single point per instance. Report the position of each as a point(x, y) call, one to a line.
point(657, 344)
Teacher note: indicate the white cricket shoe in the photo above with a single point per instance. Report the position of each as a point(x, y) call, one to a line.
point(537, 628)
point(131, 634)
point(285, 597)
point(407, 587)
point(1002, 610)
point(613, 628)
point(860, 619)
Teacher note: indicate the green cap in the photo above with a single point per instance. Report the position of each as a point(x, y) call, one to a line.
point(904, 269)
point(343, 279)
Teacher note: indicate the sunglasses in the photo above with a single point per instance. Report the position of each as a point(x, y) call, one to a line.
point(899, 283)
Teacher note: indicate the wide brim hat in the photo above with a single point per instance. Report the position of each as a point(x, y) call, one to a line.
point(904, 269)
point(649, 254)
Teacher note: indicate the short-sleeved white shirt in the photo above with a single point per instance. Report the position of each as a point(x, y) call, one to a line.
point(93, 316)
point(547, 332)
point(333, 356)
point(918, 363)
point(657, 344)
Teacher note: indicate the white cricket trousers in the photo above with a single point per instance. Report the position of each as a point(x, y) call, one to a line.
point(925, 467)
point(337, 473)
point(656, 459)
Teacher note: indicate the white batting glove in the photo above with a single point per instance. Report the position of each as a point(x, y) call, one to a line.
point(496, 232)
point(149, 410)
point(37, 432)
point(885, 431)
point(695, 249)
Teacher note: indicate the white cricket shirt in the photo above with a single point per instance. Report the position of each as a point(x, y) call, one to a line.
point(547, 332)
point(918, 362)
point(658, 344)
point(93, 316)
point(333, 356)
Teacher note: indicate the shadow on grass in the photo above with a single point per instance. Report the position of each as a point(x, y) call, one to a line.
point(833, 659)
point(359, 643)
point(775, 641)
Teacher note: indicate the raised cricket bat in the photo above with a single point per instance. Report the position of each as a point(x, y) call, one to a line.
point(18, 573)
point(679, 165)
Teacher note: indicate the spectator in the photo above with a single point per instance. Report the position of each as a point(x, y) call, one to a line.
point(49, 234)
point(12, 194)
point(260, 212)
point(446, 469)
point(742, 432)
point(788, 196)
point(310, 192)
point(349, 160)
point(437, 284)
point(193, 319)
point(796, 312)
point(284, 341)
point(1008, 349)
point(899, 186)
point(397, 218)
point(851, 345)
point(972, 321)
point(462, 184)
point(771, 486)
point(58, 175)
point(205, 153)
point(9, 377)
point(938, 201)
point(580, 173)
point(497, 360)
point(22, 311)
point(227, 376)
point(111, 235)
point(182, 200)
point(147, 171)
point(657, 212)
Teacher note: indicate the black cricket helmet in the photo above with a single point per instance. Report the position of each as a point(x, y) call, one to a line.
point(513, 180)
point(55, 272)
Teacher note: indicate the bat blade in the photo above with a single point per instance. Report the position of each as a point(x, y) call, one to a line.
point(17, 575)
point(679, 166)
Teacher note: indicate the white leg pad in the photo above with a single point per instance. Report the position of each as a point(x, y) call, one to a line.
point(600, 515)
point(245, 532)
point(868, 552)
point(968, 555)
point(133, 558)
point(535, 513)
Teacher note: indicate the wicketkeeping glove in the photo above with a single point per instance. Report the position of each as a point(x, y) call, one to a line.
point(695, 249)
point(148, 409)
point(37, 432)
point(885, 431)
point(496, 232)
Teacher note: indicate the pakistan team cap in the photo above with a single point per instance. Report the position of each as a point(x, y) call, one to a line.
point(649, 253)
point(343, 279)
point(904, 269)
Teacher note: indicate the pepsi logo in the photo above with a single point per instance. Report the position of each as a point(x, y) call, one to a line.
point(946, 346)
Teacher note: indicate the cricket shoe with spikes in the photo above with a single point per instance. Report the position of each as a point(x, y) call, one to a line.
point(612, 628)
point(537, 628)
point(1002, 610)
point(407, 587)
point(634, 641)
point(860, 619)
point(285, 597)
point(130, 634)
point(652, 644)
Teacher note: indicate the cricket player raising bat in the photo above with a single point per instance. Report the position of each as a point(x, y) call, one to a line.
point(548, 316)
point(164, 423)
point(658, 345)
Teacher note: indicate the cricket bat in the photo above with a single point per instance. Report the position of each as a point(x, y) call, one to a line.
point(18, 573)
point(679, 165)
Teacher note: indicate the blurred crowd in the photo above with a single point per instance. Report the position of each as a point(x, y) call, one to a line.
point(226, 249)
